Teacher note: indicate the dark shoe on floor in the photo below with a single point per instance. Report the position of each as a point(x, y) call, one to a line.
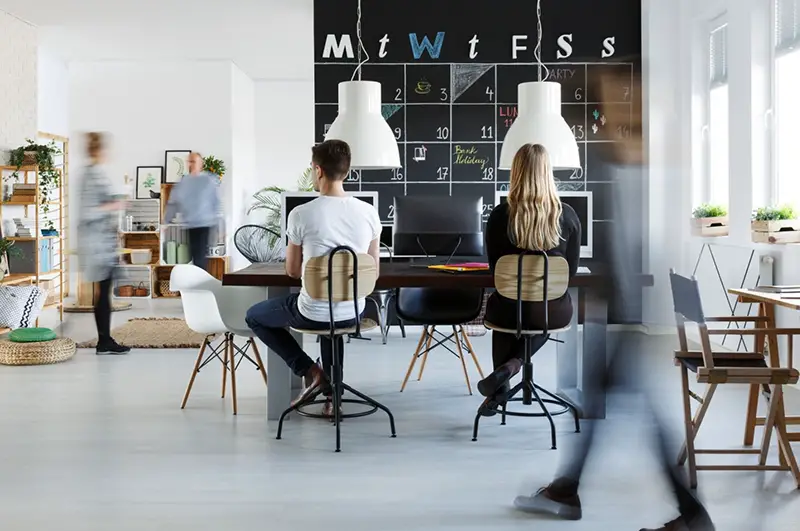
point(315, 380)
point(547, 502)
point(111, 348)
point(490, 406)
point(701, 522)
point(490, 385)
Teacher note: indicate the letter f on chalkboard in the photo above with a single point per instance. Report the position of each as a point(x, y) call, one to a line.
point(417, 48)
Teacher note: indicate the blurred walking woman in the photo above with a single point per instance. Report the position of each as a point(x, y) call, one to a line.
point(97, 238)
point(533, 219)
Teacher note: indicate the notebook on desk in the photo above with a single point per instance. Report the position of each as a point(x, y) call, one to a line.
point(459, 268)
point(778, 289)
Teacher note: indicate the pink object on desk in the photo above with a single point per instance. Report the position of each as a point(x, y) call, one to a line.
point(471, 265)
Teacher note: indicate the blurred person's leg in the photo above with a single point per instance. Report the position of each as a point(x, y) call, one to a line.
point(198, 246)
point(102, 318)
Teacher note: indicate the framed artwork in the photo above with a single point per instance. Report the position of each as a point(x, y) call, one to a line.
point(176, 165)
point(148, 181)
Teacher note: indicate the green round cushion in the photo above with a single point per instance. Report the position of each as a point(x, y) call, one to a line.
point(31, 335)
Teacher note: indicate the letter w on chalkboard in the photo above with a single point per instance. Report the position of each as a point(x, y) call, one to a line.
point(417, 48)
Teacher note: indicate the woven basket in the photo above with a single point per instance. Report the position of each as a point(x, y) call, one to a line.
point(163, 288)
point(41, 353)
point(126, 291)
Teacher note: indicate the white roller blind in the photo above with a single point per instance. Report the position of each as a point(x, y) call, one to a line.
point(787, 25)
point(718, 60)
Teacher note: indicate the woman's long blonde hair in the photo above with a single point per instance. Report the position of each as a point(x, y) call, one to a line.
point(533, 202)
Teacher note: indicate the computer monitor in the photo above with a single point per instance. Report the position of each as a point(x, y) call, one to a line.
point(430, 226)
point(581, 203)
point(292, 200)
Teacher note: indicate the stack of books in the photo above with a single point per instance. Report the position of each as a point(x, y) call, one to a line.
point(23, 193)
point(23, 230)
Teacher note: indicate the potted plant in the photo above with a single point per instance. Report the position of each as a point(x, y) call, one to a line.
point(214, 165)
point(710, 220)
point(7, 249)
point(268, 200)
point(42, 156)
point(777, 224)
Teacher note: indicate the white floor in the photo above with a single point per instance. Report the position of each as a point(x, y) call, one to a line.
point(100, 443)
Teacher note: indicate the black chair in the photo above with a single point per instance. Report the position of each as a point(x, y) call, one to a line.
point(341, 276)
point(256, 243)
point(440, 307)
point(530, 277)
point(383, 299)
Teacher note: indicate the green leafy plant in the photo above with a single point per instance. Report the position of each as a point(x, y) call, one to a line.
point(268, 200)
point(7, 247)
point(214, 165)
point(43, 157)
point(778, 213)
point(709, 211)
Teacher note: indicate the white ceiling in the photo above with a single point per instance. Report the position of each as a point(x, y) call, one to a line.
point(268, 39)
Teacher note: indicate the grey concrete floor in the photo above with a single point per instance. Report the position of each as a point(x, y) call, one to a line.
point(100, 443)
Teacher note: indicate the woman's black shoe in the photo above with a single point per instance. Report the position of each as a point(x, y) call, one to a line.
point(489, 406)
point(490, 385)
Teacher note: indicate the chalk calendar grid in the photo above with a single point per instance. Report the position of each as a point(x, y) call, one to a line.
point(450, 120)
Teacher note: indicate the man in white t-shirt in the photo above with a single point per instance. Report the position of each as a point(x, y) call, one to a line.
point(314, 229)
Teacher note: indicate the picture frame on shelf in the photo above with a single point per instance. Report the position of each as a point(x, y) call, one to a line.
point(148, 181)
point(176, 165)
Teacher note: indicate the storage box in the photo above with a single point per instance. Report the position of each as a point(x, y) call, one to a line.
point(710, 227)
point(780, 231)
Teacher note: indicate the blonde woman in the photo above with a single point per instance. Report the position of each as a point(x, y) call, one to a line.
point(533, 219)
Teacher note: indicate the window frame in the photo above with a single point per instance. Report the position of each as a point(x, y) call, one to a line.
point(712, 25)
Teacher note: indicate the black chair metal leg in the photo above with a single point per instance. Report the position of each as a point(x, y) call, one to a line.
point(337, 396)
point(374, 403)
point(563, 403)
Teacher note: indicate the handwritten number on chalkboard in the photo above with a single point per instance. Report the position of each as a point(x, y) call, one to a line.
point(577, 174)
point(397, 175)
point(578, 94)
point(504, 188)
point(490, 93)
point(398, 133)
point(488, 174)
point(623, 131)
point(391, 211)
point(354, 177)
point(443, 97)
point(487, 132)
point(626, 93)
point(577, 131)
point(442, 133)
point(442, 173)
point(487, 209)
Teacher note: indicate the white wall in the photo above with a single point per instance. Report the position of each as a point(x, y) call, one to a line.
point(53, 96)
point(243, 173)
point(17, 81)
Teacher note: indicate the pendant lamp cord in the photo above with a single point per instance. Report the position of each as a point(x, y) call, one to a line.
point(361, 47)
point(537, 52)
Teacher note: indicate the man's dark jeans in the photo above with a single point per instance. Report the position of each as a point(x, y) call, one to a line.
point(271, 319)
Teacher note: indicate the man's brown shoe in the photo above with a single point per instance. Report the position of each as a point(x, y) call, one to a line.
point(327, 408)
point(315, 380)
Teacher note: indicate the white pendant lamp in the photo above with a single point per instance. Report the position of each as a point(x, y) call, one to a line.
point(539, 119)
point(540, 122)
point(360, 122)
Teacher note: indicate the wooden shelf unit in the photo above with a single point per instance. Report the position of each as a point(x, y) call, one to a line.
point(54, 277)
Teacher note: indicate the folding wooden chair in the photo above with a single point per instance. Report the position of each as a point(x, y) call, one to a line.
point(715, 368)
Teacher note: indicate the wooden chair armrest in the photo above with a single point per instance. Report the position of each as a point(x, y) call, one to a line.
point(767, 375)
point(735, 319)
point(755, 331)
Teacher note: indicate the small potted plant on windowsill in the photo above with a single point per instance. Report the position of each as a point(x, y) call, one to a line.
point(710, 220)
point(775, 225)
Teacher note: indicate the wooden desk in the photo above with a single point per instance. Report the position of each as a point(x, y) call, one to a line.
point(581, 354)
point(766, 308)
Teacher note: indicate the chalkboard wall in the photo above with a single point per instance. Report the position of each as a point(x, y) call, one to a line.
point(449, 71)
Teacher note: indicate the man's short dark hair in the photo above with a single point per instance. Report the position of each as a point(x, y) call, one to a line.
point(333, 156)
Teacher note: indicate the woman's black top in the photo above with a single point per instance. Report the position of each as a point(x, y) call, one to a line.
point(502, 311)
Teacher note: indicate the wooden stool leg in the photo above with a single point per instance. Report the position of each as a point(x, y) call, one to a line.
point(194, 372)
point(769, 425)
point(463, 360)
point(783, 437)
point(259, 361)
point(427, 351)
point(690, 428)
point(472, 351)
point(233, 374)
point(414, 358)
point(225, 365)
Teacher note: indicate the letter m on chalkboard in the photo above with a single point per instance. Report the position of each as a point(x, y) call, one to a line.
point(433, 49)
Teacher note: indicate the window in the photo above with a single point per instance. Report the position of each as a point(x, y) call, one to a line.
point(717, 116)
point(787, 100)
